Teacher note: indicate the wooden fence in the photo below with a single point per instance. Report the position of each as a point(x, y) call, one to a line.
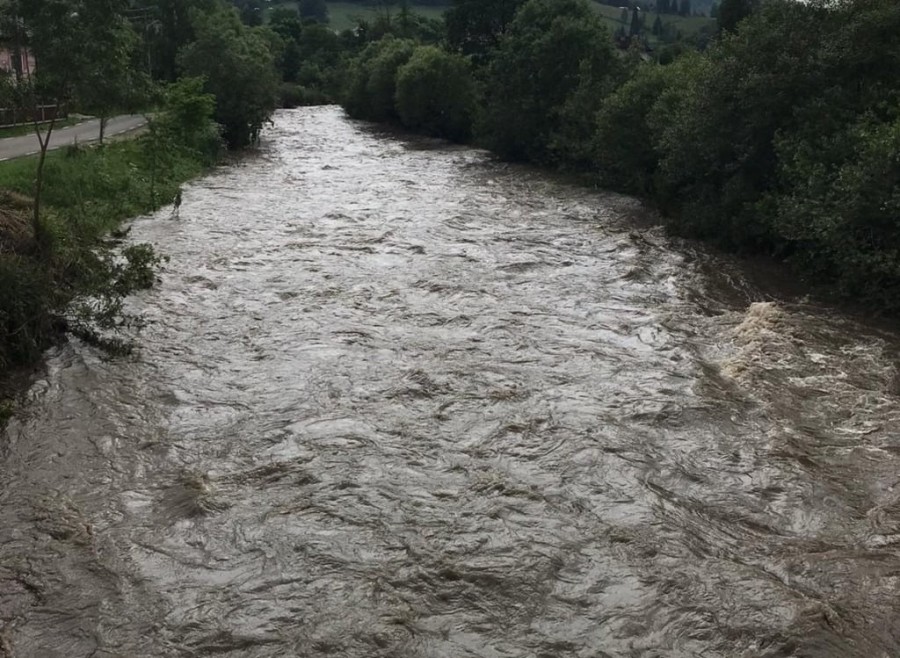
point(10, 117)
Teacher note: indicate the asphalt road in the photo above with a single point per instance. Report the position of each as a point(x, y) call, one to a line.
point(84, 132)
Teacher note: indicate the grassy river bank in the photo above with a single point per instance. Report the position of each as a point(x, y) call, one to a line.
point(71, 276)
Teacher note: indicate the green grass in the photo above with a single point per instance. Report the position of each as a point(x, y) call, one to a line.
point(87, 193)
point(344, 15)
point(98, 187)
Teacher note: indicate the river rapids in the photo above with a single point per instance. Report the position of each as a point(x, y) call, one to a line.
point(396, 399)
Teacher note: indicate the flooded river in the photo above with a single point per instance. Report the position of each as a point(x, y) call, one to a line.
point(396, 399)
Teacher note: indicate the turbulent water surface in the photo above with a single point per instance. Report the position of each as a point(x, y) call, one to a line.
point(394, 398)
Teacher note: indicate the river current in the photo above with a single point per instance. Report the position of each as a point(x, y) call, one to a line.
point(396, 399)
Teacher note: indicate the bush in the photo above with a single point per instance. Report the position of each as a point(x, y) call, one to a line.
point(88, 191)
point(623, 144)
point(293, 95)
point(186, 121)
point(718, 119)
point(26, 291)
point(372, 75)
point(842, 213)
point(238, 66)
point(550, 70)
point(436, 94)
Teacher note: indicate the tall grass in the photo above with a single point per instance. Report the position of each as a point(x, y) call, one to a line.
point(87, 193)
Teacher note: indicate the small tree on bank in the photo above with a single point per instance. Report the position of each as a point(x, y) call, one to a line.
point(84, 49)
point(436, 94)
point(239, 68)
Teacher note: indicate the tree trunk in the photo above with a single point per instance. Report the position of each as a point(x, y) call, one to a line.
point(44, 141)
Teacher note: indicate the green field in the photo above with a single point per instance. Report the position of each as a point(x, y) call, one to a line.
point(344, 15)
point(689, 25)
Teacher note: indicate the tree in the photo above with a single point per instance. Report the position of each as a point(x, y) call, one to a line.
point(239, 68)
point(636, 23)
point(113, 84)
point(371, 79)
point(685, 8)
point(732, 12)
point(475, 27)
point(315, 10)
point(657, 28)
point(286, 24)
point(718, 125)
point(546, 79)
point(173, 29)
point(251, 11)
point(436, 94)
point(84, 50)
point(183, 125)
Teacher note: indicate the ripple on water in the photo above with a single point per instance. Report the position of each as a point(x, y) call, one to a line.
point(395, 398)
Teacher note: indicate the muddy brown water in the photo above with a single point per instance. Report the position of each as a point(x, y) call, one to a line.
point(395, 398)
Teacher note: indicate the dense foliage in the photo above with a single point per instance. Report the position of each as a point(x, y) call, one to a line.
point(238, 66)
point(779, 135)
point(204, 75)
point(436, 94)
point(74, 280)
point(545, 80)
point(372, 79)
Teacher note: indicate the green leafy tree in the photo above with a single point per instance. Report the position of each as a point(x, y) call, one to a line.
point(184, 125)
point(624, 142)
point(636, 23)
point(371, 79)
point(238, 66)
point(315, 10)
point(83, 47)
point(169, 27)
point(836, 206)
point(113, 84)
point(286, 23)
point(436, 94)
point(546, 79)
point(251, 11)
point(717, 125)
point(732, 12)
point(475, 27)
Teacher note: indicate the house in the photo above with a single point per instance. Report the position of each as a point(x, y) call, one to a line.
point(21, 65)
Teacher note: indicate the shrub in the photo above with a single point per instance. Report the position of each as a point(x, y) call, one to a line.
point(436, 94)
point(371, 76)
point(555, 56)
point(623, 143)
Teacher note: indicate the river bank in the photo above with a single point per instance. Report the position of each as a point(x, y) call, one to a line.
point(798, 164)
point(88, 192)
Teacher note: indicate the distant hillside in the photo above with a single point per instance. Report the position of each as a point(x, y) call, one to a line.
point(345, 14)
point(686, 25)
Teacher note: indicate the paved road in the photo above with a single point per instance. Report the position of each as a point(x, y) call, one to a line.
point(86, 131)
